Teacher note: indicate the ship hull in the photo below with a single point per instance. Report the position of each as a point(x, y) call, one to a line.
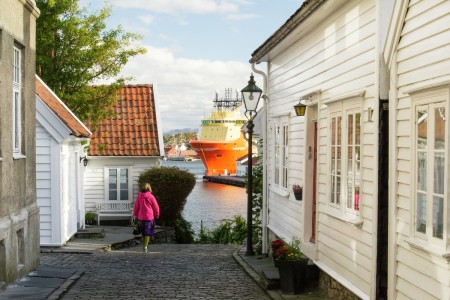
point(219, 157)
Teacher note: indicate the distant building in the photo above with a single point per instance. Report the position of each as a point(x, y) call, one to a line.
point(19, 212)
point(121, 148)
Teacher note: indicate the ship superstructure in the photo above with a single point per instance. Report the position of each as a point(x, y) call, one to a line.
point(220, 141)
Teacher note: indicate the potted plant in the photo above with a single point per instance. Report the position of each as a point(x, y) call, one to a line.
point(276, 244)
point(292, 266)
point(298, 191)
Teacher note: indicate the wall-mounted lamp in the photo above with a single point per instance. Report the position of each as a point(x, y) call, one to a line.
point(369, 114)
point(85, 160)
point(300, 109)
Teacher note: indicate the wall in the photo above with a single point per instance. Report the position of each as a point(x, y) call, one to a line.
point(332, 57)
point(95, 177)
point(420, 65)
point(19, 213)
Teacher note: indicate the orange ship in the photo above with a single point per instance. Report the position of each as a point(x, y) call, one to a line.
point(221, 141)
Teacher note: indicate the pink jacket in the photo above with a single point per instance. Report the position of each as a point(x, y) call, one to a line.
point(146, 207)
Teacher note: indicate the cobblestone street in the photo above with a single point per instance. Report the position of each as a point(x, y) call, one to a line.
point(168, 271)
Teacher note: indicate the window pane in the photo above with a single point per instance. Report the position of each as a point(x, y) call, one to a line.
point(439, 163)
point(113, 184)
point(439, 128)
point(123, 179)
point(422, 129)
point(421, 222)
point(350, 130)
point(438, 217)
point(422, 171)
point(124, 195)
point(358, 129)
point(339, 131)
point(17, 121)
point(112, 195)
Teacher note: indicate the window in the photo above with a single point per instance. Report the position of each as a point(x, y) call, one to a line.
point(118, 184)
point(281, 154)
point(430, 141)
point(16, 101)
point(345, 160)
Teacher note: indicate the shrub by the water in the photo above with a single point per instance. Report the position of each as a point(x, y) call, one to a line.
point(230, 231)
point(171, 187)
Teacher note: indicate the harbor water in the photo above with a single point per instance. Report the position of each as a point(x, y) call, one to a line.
point(210, 202)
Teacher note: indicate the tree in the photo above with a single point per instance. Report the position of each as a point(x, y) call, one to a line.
point(75, 50)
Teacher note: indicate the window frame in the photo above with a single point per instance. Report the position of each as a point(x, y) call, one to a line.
point(17, 119)
point(339, 204)
point(129, 184)
point(429, 101)
point(280, 178)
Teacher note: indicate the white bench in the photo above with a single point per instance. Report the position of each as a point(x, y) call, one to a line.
point(113, 210)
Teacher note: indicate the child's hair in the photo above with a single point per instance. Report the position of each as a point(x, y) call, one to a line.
point(147, 188)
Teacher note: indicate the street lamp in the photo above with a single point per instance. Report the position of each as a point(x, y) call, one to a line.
point(251, 94)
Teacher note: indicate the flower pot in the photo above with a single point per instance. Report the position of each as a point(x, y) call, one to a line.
point(275, 260)
point(292, 275)
point(298, 196)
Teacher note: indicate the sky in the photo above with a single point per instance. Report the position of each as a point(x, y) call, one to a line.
point(195, 48)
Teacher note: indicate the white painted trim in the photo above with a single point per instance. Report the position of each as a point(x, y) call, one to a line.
point(336, 276)
point(279, 191)
point(338, 214)
point(18, 156)
point(392, 186)
point(428, 248)
point(47, 118)
point(158, 120)
point(428, 84)
point(64, 105)
point(395, 30)
point(355, 94)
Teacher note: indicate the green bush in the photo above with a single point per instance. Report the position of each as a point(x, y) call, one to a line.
point(183, 231)
point(230, 231)
point(171, 187)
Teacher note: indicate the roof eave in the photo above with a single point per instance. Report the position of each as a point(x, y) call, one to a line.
point(307, 8)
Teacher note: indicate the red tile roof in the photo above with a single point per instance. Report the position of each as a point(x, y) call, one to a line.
point(133, 130)
point(44, 93)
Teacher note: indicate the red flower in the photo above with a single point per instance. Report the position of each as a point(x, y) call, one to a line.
point(281, 253)
point(277, 244)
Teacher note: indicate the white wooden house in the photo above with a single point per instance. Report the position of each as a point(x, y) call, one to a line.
point(61, 139)
point(418, 55)
point(328, 54)
point(122, 147)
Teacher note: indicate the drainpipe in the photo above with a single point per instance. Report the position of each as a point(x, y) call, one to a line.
point(264, 217)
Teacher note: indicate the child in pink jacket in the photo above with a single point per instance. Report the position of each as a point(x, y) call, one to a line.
point(146, 210)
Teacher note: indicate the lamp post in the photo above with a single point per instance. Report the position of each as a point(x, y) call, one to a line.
point(251, 94)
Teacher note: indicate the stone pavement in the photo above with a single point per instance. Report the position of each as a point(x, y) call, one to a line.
point(102, 268)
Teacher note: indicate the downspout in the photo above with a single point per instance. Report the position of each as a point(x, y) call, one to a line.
point(264, 217)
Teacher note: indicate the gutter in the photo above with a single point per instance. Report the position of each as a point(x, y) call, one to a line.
point(307, 8)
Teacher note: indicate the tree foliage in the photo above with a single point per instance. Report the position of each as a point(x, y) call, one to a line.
point(74, 50)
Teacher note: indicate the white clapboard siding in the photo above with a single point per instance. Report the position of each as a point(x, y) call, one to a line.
point(95, 179)
point(44, 183)
point(422, 54)
point(337, 57)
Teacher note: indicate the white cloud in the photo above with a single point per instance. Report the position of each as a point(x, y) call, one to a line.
point(181, 6)
point(240, 17)
point(185, 87)
point(147, 19)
